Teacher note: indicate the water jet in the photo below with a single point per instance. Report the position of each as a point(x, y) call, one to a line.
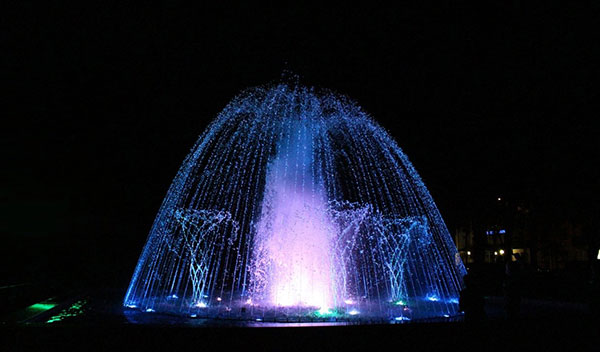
point(294, 205)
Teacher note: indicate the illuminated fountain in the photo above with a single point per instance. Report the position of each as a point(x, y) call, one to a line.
point(294, 205)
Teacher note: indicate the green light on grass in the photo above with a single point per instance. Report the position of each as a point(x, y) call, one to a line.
point(74, 310)
point(40, 307)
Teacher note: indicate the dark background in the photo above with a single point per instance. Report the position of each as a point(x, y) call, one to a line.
point(103, 102)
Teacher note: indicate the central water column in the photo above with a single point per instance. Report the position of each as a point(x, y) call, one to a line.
point(294, 234)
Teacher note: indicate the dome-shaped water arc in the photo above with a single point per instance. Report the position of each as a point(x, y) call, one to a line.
point(295, 203)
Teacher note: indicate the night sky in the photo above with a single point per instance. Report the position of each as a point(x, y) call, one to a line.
point(102, 103)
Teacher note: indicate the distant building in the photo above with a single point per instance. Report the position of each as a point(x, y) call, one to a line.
point(493, 248)
point(505, 227)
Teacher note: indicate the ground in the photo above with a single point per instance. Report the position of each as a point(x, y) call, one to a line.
point(97, 321)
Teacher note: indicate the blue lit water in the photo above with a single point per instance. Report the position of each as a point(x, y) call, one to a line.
point(295, 204)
